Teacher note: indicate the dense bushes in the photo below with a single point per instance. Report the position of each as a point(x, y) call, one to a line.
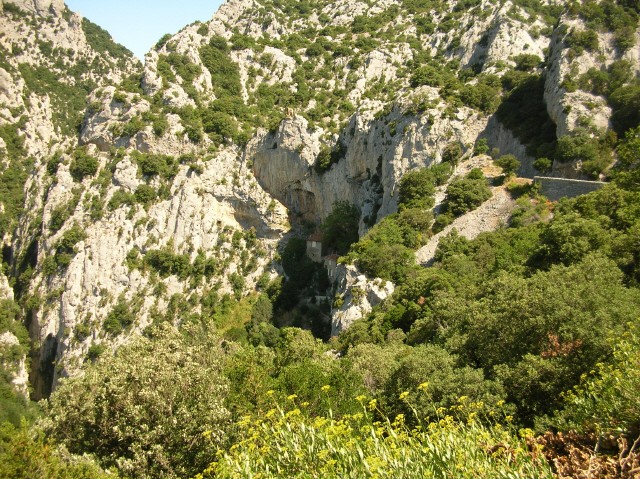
point(532, 306)
point(164, 166)
point(593, 153)
point(100, 40)
point(152, 410)
point(605, 401)
point(82, 165)
point(616, 17)
point(626, 104)
point(13, 177)
point(28, 453)
point(466, 194)
point(386, 251)
point(68, 101)
point(417, 189)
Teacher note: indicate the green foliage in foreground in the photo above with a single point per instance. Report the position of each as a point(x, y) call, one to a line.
point(26, 453)
point(532, 305)
point(607, 400)
point(145, 409)
point(290, 443)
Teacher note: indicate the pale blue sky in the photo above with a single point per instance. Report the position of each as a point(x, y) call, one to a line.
point(139, 24)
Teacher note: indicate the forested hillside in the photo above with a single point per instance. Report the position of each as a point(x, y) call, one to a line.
point(158, 297)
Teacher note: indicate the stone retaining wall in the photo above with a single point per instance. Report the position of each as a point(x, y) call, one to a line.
point(556, 188)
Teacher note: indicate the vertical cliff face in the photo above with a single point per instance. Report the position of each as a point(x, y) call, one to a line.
point(375, 157)
point(51, 59)
point(146, 190)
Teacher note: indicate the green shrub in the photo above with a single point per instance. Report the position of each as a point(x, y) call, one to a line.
point(162, 41)
point(508, 163)
point(452, 153)
point(466, 194)
point(119, 318)
point(340, 228)
point(156, 165)
point(543, 165)
point(427, 75)
point(28, 452)
point(95, 351)
point(417, 189)
point(527, 61)
point(158, 413)
point(65, 249)
point(82, 165)
point(166, 262)
point(625, 102)
point(443, 220)
point(482, 147)
point(381, 252)
point(579, 41)
point(160, 125)
point(145, 194)
point(481, 96)
point(593, 152)
point(132, 127)
point(119, 198)
point(328, 156)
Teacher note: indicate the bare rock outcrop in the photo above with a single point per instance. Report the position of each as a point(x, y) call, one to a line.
point(356, 297)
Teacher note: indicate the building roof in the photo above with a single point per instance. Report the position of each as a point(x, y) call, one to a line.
point(315, 236)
